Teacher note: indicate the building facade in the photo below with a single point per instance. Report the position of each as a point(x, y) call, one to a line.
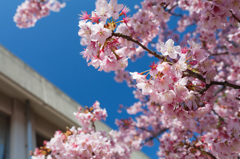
point(32, 109)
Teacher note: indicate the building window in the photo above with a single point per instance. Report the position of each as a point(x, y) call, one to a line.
point(4, 136)
point(40, 139)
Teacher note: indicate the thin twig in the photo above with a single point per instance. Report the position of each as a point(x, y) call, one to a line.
point(93, 125)
point(225, 53)
point(218, 91)
point(221, 118)
point(234, 16)
point(175, 14)
point(166, 6)
point(207, 153)
point(225, 83)
point(137, 42)
point(172, 8)
point(152, 137)
point(232, 42)
point(185, 73)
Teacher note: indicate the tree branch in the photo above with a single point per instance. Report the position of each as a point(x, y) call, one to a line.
point(171, 8)
point(169, 11)
point(138, 43)
point(207, 153)
point(185, 73)
point(225, 53)
point(225, 83)
point(175, 14)
point(152, 137)
point(166, 6)
point(234, 16)
point(221, 118)
point(218, 91)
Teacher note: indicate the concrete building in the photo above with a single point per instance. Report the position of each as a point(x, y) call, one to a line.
point(32, 109)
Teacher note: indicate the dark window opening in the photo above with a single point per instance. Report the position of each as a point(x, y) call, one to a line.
point(40, 139)
point(4, 136)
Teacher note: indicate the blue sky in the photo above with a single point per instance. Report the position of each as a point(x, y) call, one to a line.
point(52, 48)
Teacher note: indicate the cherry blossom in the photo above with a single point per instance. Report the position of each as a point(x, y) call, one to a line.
point(32, 10)
point(188, 98)
point(170, 50)
point(99, 33)
point(114, 9)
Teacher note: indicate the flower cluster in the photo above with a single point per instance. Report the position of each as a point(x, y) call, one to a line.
point(77, 144)
point(90, 115)
point(85, 142)
point(168, 85)
point(224, 141)
point(189, 100)
point(32, 10)
point(102, 48)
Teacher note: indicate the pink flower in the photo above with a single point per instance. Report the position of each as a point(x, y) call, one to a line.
point(126, 20)
point(193, 45)
point(85, 30)
point(162, 84)
point(235, 145)
point(55, 5)
point(100, 114)
point(102, 10)
point(180, 66)
point(158, 9)
point(135, 108)
point(153, 70)
point(125, 10)
point(95, 18)
point(30, 11)
point(122, 63)
point(210, 76)
point(92, 48)
point(167, 96)
point(202, 111)
point(114, 8)
point(168, 109)
point(99, 33)
point(181, 91)
point(215, 22)
point(199, 54)
point(184, 50)
point(169, 49)
point(146, 87)
point(206, 65)
point(164, 67)
point(217, 10)
point(85, 16)
point(137, 76)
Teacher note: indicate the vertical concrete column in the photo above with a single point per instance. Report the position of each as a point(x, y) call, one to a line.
point(18, 131)
point(34, 140)
point(29, 127)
